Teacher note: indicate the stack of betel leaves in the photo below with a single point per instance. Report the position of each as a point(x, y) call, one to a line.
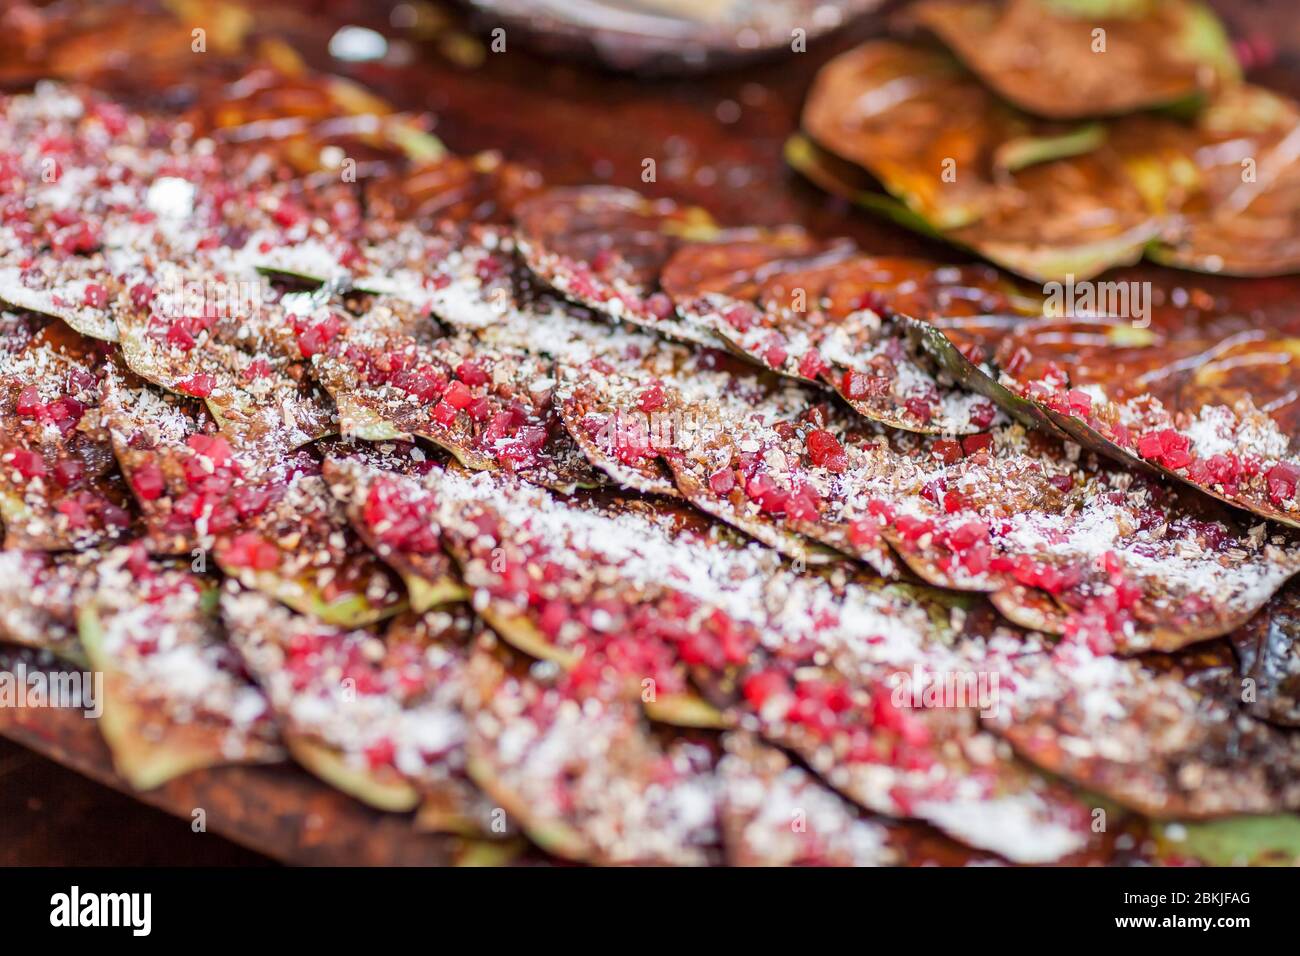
point(1064, 137)
point(573, 515)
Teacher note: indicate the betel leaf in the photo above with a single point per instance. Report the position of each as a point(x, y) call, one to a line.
point(38, 600)
point(1234, 841)
point(59, 484)
point(534, 587)
point(604, 247)
point(1178, 390)
point(1230, 181)
point(915, 120)
point(762, 791)
point(389, 493)
point(1165, 739)
point(1268, 656)
point(301, 551)
point(577, 766)
point(823, 313)
point(1067, 59)
point(141, 625)
point(1110, 227)
point(993, 510)
point(1020, 153)
point(377, 715)
point(489, 407)
point(929, 763)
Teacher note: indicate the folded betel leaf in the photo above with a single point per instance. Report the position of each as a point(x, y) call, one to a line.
point(572, 761)
point(1235, 841)
point(59, 484)
point(1069, 59)
point(909, 113)
point(1181, 390)
point(608, 392)
point(38, 600)
point(869, 741)
point(600, 403)
point(721, 469)
point(1268, 658)
point(480, 286)
point(775, 813)
point(389, 493)
point(582, 349)
point(263, 402)
point(931, 136)
point(1230, 180)
point(1131, 565)
point(490, 407)
point(633, 418)
point(79, 295)
point(77, 183)
point(301, 550)
point(604, 247)
point(822, 313)
point(377, 715)
point(581, 585)
point(175, 697)
point(393, 253)
point(1171, 745)
point(189, 483)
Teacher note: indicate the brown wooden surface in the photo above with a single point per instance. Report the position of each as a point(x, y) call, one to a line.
point(53, 816)
point(279, 809)
point(716, 141)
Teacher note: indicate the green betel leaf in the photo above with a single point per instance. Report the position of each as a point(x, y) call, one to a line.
point(141, 622)
point(1067, 59)
point(1237, 841)
point(1017, 154)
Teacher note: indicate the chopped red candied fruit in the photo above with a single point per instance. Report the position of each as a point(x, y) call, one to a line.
point(29, 401)
point(660, 306)
point(812, 365)
point(1166, 447)
point(472, 374)
point(1282, 479)
point(740, 317)
point(722, 481)
point(28, 463)
point(147, 480)
point(399, 519)
point(96, 296)
point(775, 355)
point(252, 551)
point(946, 451)
point(651, 398)
point(825, 450)
point(200, 385)
point(982, 414)
point(919, 408)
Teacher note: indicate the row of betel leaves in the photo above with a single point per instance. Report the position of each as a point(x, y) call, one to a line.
point(248, 556)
